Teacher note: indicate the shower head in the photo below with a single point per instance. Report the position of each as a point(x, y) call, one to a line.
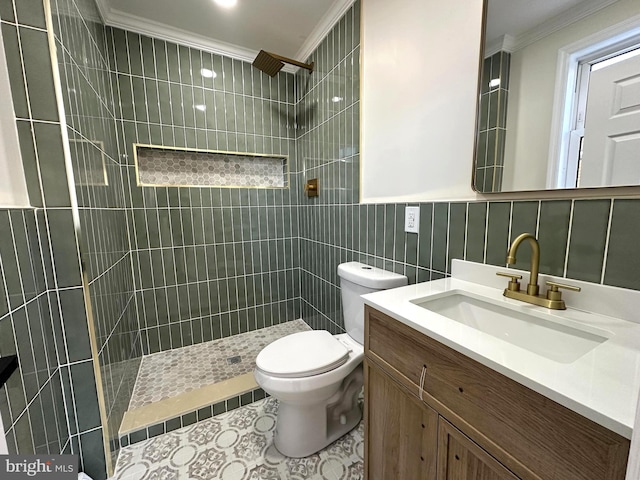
point(270, 63)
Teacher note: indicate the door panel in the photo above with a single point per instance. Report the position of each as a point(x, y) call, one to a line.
point(401, 431)
point(459, 458)
point(611, 153)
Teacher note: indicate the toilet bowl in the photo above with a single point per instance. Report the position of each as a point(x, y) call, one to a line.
point(317, 377)
point(314, 409)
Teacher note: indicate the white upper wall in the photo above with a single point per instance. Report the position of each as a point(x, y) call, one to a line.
point(13, 188)
point(531, 95)
point(420, 64)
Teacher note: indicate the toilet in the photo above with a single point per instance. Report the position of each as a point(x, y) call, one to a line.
point(317, 377)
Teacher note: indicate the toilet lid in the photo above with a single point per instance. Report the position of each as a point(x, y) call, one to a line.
point(302, 354)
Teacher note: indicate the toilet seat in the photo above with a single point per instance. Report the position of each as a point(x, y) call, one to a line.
point(302, 354)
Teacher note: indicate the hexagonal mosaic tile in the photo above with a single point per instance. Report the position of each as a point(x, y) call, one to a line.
point(158, 166)
point(189, 368)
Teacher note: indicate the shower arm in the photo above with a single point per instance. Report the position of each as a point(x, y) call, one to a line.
point(308, 66)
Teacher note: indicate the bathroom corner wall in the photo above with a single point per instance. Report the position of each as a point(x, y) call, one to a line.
point(101, 186)
point(328, 142)
point(50, 404)
point(584, 239)
point(208, 262)
point(32, 403)
point(492, 124)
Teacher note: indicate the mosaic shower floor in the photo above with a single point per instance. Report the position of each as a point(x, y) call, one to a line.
point(171, 373)
point(237, 445)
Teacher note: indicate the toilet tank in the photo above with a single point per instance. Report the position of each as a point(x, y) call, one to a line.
point(357, 279)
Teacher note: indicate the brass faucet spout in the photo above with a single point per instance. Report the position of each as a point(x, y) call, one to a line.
point(552, 299)
point(532, 287)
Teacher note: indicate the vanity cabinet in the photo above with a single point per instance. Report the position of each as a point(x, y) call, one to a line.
point(459, 458)
point(402, 427)
point(487, 426)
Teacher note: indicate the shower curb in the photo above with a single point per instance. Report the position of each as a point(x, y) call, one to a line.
point(189, 418)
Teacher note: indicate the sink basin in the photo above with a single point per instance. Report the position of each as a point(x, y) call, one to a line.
point(543, 336)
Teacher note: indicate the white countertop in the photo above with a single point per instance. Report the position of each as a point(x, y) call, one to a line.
point(602, 385)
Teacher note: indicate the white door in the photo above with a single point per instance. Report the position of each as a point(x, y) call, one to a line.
point(611, 149)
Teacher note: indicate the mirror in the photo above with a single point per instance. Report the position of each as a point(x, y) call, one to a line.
point(559, 94)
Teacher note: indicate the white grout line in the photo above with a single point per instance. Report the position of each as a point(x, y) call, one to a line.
point(509, 233)
point(115, 325)
point(432, 208)
point(144, 88)
point(26, 317)
point(30, 402)
point(446, 255)
point(106, 271)
point(466, 231)
point(569, 232)
point(79, 70)
point(606, 245)
point(22, 25)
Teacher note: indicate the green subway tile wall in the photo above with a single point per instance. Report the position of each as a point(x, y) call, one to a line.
point(50, 405)
point(333, 224)
point(208, 262)
point(32, 403)
point(101, 187)
point(492, 122)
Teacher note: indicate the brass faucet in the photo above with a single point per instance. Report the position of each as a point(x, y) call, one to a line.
point(534, 267)
point(553, 298)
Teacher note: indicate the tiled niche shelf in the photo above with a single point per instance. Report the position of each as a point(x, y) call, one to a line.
point(179, 167)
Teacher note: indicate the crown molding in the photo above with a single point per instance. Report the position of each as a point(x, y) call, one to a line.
point(103, 9)
point(322, 29)
point(561, 21)
point(134, 23)
point(126, 21)
point(506, 43)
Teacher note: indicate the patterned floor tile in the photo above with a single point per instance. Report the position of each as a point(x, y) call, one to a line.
point(189, 368)
point(237, 445)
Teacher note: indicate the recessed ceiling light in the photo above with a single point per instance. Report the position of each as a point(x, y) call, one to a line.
point(206, 73)
point(494, 83)
point(226, 3)
point(336, 99)
point(201, 107)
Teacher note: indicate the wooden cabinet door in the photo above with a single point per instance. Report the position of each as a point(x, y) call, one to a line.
point(401, 432)
point(459, 458)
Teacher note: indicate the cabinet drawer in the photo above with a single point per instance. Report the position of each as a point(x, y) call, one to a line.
point(543, 439)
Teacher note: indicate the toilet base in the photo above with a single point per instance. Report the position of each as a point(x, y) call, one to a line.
point(303, 430)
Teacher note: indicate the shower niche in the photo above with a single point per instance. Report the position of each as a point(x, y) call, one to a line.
point(180, 167)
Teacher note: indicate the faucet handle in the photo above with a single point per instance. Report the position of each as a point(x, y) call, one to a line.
point(554, 294)
point(514, 285)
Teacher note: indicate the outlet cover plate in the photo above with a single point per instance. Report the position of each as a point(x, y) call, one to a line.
point(412, 219)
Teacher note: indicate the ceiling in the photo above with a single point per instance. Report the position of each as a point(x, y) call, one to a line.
point(525, 21)
point(292, 28)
